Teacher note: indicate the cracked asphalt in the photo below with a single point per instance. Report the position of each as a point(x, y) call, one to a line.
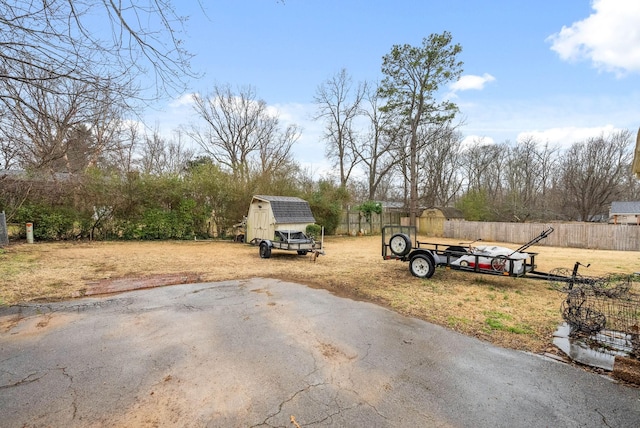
point(267, 353)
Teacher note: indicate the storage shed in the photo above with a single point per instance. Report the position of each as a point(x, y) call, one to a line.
point(627, 212)
point(270, 213)
point(431, 221)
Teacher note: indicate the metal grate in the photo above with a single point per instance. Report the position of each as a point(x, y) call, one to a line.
point(606, 312)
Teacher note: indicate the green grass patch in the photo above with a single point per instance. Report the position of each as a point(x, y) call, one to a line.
point(454, 321)
point(500, 321)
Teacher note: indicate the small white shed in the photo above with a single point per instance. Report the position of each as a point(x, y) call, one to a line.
point(270, 213)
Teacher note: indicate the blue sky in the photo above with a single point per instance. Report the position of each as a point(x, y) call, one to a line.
point(560, 71)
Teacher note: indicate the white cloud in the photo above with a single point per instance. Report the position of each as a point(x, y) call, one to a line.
point(472, 140)
point(471, 81)
point(184, 100)
point(609, 37)
point(565, 137)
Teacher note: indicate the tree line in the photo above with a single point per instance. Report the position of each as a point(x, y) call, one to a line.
point(81, 164)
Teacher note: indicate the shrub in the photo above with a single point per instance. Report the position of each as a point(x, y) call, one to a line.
point(368, 208)
point(49, 223)
point(314, 230)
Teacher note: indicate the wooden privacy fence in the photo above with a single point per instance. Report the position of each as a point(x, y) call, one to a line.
point(596, 236)
point(576, 235)
point(354, 222)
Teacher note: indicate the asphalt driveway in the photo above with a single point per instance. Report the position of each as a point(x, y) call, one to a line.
point(266, 353)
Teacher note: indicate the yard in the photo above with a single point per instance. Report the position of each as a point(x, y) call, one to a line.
point(515, 313)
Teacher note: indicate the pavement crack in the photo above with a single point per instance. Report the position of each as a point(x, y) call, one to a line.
point(32, 377)
point(74, 403)
point(191, 307)
point(286, 401)
point(604, 419)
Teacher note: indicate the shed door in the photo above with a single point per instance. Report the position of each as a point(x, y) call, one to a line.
point(262, 223)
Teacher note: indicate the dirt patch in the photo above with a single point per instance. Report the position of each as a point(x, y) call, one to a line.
point(118, 285)
point(35, 325)
point(627, 369)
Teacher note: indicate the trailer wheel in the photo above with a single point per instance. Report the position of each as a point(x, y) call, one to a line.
point(302, 252)
point(400, 244)
point(422, 266)
point(265, 250)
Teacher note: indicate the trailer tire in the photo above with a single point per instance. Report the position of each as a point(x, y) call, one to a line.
point(456, 250)
point(422, 266)
point(265, 250)
point(302, 252)
point(400, 244)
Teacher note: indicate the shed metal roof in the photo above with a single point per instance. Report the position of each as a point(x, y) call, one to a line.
point(289, 209)
point(629, 207)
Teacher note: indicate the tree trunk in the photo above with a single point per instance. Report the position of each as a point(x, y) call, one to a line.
point(413, 174)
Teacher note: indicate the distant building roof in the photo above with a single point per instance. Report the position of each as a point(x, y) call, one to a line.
point(451, 212)
point(392, 205)
point(622, 208)
point(289, 209)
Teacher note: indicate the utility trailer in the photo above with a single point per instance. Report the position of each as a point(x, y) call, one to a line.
point(602, 311)
point(290, 240)
point(401, 243)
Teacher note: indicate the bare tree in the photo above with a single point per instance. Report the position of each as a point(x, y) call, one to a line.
point(239, 130)
point(275, 152)
point(9, 153)
point(521, 172)
point(104, 43)
point(164, 156)
point(378, 150)
point(593, 174)
point(338, 104)
point(527, 170)
point(547, 160)
point(482, 191)
point(481, 164)
point(40, 127)
point(122, 159)
point(108, 126)
point(439, 167)
point(46, 124)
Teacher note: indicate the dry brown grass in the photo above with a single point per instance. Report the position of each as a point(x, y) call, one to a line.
point(516, 313)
